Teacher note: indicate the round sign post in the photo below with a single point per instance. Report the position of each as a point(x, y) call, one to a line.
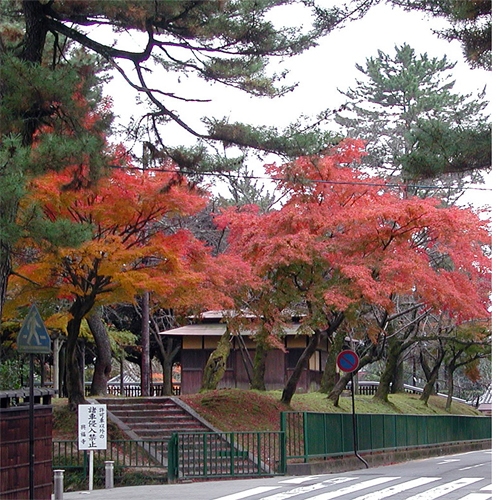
point(348, 362)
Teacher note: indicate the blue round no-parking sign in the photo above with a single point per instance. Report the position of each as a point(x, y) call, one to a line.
point(347, 361)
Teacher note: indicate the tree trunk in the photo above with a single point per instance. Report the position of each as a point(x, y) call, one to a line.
point(259, 368)
point(330, 374)
point(398, 382)
point(450, 369)
point(166, 366)
point(102, 367)
point(33, 47)
point(338, 388)
point(168, 356)
point(36, 31)
point(425, 366)
point(32, 51)
point(74, 368)
point(63, 390)
point(429, 387)
point(431, 375)
point(291, 385)
point(216, 364)
point(5, 267)
point(393, 353)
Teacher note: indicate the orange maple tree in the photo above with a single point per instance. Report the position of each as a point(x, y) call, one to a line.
point(343, 239)
point(137, 244)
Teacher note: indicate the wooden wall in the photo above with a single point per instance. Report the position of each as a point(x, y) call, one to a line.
point(279, 364)
point(14, 452)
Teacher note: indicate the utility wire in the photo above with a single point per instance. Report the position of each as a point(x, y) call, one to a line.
point(298, 181)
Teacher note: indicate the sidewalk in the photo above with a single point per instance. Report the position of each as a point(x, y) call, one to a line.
point(198, 490)
point(148, 492)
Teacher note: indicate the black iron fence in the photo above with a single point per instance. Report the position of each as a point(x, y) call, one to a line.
point(124, 453)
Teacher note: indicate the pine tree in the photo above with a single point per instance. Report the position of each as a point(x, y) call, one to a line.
point(415, 126)
point(51, 118)
point(471, 25)
point(229, 43)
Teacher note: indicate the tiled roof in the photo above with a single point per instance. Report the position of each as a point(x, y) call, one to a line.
point(214, 329)
point(487, 397)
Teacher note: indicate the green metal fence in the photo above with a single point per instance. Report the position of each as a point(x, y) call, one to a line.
point(312, 435)
point(303, 436)
point(226, 454)
point(187, 455)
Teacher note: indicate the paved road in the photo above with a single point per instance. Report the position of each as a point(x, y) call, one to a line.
point(465, 476)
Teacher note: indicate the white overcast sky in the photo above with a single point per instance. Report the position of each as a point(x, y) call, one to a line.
point(319, 72)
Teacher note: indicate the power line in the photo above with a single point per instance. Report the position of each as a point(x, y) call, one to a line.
point(298, 181)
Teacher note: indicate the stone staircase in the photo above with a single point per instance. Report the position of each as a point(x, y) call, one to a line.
point(152, 421)
point(154, 418)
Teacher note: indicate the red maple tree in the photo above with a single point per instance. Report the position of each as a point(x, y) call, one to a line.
point(137, 244)
point(343, 239)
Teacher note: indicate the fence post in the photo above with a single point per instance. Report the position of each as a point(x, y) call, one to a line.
point(283, 453)
point(58, 484)
point(173, 458)
point(108, 472)
point(305, 424)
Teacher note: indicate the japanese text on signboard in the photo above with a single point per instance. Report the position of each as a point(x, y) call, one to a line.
point(92, 427)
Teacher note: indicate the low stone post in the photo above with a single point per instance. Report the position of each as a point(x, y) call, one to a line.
point(109, 473)
point(58, 484)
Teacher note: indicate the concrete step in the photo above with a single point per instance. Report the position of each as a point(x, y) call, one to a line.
point(167, 419)
point(142, 429)
point(159, 402)
point(166, 424)
point(158, 434)
point(156, 419)
point(143, 407)
point(151, 414)
point(152, 418)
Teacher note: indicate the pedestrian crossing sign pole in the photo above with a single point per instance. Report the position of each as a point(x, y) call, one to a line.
point(32, 339)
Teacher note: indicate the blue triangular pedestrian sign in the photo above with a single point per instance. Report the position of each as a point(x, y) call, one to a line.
point(33, 337)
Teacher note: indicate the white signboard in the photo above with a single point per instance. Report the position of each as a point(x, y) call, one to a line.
point(92, 427)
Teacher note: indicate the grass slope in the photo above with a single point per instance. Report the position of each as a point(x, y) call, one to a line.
point(241, 410)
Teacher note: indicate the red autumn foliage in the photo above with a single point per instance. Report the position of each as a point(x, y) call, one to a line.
point(344, 238)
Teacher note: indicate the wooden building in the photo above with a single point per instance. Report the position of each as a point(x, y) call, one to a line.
point(485, 402)
point(199, 340)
